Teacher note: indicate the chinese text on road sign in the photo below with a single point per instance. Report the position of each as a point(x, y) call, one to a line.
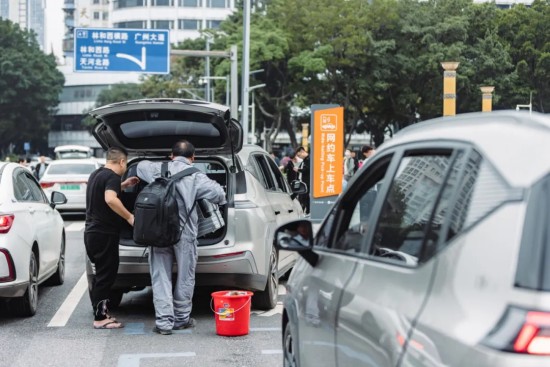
point(104, 49)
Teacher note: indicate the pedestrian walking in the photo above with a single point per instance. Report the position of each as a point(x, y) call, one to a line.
point(349, 165)
point(173, 304)
point(291, 167)
point(104, 211)
point(40, 167)
point(366, 151)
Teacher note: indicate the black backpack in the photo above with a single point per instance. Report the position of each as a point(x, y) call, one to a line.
point(156, 212)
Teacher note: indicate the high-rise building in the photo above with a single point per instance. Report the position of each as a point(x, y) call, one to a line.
point(29, 14)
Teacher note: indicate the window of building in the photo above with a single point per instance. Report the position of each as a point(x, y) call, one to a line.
point(105, 15)
point(217, 3)
point(128, 3)
point(162, 2)
point(97, 15)
point(162, 24)
point(139, 24)
point(190, 24)
point(213, 24)
point(190, 3)
point(96, 2)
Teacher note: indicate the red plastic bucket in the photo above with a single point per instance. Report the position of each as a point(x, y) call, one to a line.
point(232, 312)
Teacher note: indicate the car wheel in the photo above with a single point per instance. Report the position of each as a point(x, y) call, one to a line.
point(267, 299)
point(289, 347)
point(115, 297)
point(58, 277)
point(27, 305)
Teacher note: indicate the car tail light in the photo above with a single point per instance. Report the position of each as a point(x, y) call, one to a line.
point(521, 331)
point(46, 185)
point(6, 262)
point(6, 220)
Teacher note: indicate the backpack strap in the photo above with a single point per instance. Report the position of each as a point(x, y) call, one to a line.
point(185, 172)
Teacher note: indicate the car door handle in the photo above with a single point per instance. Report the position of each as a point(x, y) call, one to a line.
point(277, 212)
point(291, 210)
point(31, 210)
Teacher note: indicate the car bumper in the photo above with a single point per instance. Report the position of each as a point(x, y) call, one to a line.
point(13, 290)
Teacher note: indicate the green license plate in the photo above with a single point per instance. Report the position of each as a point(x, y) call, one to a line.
point(70, 187)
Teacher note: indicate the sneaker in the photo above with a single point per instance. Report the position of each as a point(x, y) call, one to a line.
point(190, 324)
point(162, 331)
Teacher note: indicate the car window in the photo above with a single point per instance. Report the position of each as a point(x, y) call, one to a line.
point(22, 190)
point(357, 206)
point(37, 193)
point(280, 181)
point(408, 207)
point(264, 172)
point(71, 169)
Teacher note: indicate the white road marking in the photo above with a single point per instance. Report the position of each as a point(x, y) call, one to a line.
point(67, 308)
point(265, 329)
point(76, 227)
point(132, 360)
point(272, 351)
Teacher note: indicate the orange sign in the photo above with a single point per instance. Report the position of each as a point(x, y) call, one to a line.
point(328, 152)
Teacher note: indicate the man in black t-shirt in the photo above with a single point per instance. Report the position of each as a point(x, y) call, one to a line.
point(305, 171)
point(104, 211)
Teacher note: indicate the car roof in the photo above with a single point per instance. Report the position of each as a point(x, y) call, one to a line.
point(74, 161)
point(517, 143)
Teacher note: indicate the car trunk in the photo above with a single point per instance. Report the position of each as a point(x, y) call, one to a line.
point(215, 168)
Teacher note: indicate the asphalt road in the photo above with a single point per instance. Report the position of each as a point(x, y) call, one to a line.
point(61, 332)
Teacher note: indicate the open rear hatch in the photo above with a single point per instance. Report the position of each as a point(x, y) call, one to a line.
point(151, 126)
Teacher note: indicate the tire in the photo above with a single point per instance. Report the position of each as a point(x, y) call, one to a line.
point(26, 306)
point(290, 352)
point(58, 278)
point(267, 299)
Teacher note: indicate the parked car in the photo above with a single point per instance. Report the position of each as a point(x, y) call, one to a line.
point(436, 254)
point(240, 254)
point(69, 176)
point(32, 239)
point(73, 152)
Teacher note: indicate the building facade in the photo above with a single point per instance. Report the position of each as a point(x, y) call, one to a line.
point(29, 14)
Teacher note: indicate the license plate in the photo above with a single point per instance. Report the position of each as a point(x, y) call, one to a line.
point(70, 187)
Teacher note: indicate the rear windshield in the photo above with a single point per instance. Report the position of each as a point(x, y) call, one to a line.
point(71, 169)
point(72, 155)
point(533, 270)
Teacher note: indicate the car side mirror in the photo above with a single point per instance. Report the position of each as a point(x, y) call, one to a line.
point(297, 187)
point(57, 198)
point(296, 236)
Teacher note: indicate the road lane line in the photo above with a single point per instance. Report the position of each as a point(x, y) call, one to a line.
point(67, 308)
point(265, 329)
point(132, 360)
point(75, 227)
point(272, 351)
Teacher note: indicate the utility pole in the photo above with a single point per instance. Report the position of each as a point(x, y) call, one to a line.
point(246, 68)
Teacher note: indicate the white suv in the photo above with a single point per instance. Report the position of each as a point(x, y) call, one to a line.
point(240, 254)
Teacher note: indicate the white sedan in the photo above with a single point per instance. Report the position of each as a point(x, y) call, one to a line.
point(69, 176)
point(32, 239)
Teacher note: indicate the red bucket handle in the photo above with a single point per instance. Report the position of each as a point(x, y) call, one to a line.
point(223, 314)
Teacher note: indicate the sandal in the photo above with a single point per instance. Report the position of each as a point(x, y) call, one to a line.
point(109, 325)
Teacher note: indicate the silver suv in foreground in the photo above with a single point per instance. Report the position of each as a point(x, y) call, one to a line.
point(240, 254)
point(437, 253)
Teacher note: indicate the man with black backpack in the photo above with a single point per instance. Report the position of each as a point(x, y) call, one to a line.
point(173, 304)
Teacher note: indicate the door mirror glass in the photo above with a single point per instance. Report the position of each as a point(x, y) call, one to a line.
point(298, 187)
point(294, 236)
point(58, 198)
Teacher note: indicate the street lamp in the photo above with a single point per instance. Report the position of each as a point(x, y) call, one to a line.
point(206, 79)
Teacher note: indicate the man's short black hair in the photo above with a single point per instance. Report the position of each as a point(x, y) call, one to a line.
point(301, 149)
point(366, 149)
point(115, 154)
point(183, 148)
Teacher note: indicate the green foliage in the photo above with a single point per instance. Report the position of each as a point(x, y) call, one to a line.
point(30, 85)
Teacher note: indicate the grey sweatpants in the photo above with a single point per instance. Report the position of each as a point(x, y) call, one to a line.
point(173, 308)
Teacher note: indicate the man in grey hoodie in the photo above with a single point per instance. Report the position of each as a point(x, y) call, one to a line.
point(173, 308)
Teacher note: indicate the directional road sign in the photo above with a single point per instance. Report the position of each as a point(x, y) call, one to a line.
point(110, 49)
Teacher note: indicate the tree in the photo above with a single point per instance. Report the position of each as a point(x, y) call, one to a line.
point(30, 85)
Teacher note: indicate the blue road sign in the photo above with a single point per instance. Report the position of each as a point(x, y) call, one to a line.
point(111, 49)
